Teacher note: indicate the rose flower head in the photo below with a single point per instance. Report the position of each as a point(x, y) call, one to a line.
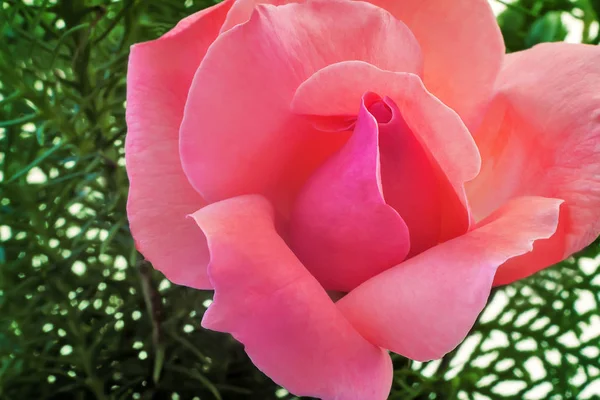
point(352, 178)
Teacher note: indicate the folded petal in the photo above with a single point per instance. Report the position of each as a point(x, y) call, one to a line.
point(462, 48)
point(160, 196)
point(542, 137)
point(341, 227)
point(238, 135)
point(267, 300)
point(414, 185)
point(242, 10)
point(427, 154)
point(424, 307)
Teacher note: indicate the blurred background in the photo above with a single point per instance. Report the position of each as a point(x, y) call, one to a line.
point(82, 316)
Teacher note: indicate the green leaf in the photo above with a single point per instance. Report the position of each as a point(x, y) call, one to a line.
point(548, 28)
point(512, 24)
point(35, 162)
point(596, 6)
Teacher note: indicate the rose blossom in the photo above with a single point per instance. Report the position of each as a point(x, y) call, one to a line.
point(388, 150)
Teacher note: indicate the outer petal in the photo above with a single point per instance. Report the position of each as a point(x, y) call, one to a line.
point(461, 41)
point(427, 124)
point(462, 49)
point(159, 76)
point(268, 301)
point(238, 135)
point(542, 137)
point(341, 227)
point(243, 9)
point(425, 306)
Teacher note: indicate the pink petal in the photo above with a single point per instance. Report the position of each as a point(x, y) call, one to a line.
point(267, 300)
point(462, 49)
point(461, 41)
point(542, 137)
point(417, 188)
point(424, 307)
point(160, 73)
point(341, 228)
point(238, 135)
point(242, 10)
point(427, 154)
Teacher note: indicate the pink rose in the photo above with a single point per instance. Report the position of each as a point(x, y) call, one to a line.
point(386, 150)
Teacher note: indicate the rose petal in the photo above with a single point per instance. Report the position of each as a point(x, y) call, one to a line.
point(461, 41)
point(341, 227)
point(425, 169)
point(462, 47)
point(242, 10)
point(238, 135)
point(542, 137)
point(267, 300)
point(415, 186)
point(424, 307)
point(160, 73)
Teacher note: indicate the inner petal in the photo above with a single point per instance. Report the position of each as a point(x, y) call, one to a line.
point(381, 111)
point(426, 152)
point(341, 227)
point(414, 185)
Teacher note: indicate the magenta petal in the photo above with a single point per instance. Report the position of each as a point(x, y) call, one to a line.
point(160, 196)
point(341, 228)
point(267, 300)
point(424, 307)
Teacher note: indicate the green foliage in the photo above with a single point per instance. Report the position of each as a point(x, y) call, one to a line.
point(82, 316)
point(526, 23)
